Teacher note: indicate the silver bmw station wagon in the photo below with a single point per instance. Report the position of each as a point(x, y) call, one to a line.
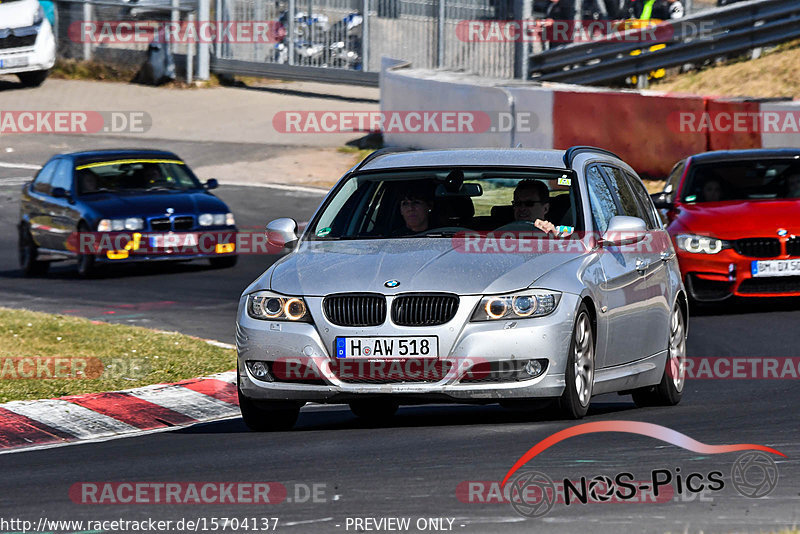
point(520, 277)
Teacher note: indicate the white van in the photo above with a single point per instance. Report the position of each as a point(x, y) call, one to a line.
point(27, 43)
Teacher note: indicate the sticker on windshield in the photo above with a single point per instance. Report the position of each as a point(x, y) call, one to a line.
point(565, 181)
point(323, 232)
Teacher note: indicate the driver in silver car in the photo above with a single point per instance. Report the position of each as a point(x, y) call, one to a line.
point(532, 203)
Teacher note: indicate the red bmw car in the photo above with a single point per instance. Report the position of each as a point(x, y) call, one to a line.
point(734, 217)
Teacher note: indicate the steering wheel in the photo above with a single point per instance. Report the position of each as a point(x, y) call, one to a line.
point(520, 226)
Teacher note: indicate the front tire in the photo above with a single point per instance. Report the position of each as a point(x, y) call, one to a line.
point(33, 79)
point(267, 416)
point(669, 391)
point(579, 374)
point(86, 262)
point(28, 251)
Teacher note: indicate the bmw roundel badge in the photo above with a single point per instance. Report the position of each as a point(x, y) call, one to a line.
point(391, 283)
point(782, 232)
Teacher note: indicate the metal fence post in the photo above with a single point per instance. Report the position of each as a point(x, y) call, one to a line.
point(365, 35)
point(290, 30)
point(190, 52)
point(176, 18)
point(523, 11)
point(203, 47)
point(218, 20)
point(87, 17)
point(440, 36)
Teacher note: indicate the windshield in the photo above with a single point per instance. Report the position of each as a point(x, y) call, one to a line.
point(444, 202)
point(743, 180)
point(135, 175)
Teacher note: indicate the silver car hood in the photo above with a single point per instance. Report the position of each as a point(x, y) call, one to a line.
point(320, 268)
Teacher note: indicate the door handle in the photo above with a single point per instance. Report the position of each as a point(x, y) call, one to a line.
point(642, 265)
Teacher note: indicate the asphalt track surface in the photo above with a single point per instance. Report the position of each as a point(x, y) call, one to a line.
point(412, 465)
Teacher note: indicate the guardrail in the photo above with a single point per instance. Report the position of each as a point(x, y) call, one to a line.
point(707, 35)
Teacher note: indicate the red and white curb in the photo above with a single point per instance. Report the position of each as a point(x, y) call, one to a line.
point(100, 416)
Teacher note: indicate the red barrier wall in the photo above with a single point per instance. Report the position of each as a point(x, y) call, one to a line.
point(747, 137)
point(634, 126)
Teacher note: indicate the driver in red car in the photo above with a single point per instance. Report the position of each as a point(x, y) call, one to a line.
point(793, 185)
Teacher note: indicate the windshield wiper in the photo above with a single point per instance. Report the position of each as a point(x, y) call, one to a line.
point(437, 234)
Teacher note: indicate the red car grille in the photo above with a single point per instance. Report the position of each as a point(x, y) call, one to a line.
point(759, 247)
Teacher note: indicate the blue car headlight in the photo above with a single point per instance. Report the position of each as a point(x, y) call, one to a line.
point(531, 303)
point(120, 225)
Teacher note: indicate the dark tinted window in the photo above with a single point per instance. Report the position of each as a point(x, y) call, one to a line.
point(649, 211)
point(674, 178)
point(622, 190)
point(42, 182)
point(63, 176)
point(600, 199)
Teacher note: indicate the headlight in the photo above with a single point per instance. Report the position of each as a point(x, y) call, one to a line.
point(134, 223)
point(700, 244)
point(273, 307)
point(229, 220)
point(39, 17)
point(533, 303)
point(206, 219)
point(119, 225)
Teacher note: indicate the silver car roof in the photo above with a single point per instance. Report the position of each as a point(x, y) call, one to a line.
point(512, 157)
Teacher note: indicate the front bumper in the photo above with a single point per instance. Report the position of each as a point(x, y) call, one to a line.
point(716, 277)
point(40, 56)
point(474, 343)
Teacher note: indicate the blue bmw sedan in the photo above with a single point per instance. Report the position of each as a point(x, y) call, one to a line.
point(118, 206)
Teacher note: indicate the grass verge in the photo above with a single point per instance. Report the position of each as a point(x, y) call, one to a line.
point(66, 355)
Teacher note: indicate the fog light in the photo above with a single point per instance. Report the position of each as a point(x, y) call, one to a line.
point(224, 248)
point(117, 254)
point(534, 368)
point(259, 370)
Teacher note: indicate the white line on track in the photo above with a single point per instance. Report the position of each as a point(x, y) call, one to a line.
point(70, 418)
point(285, 187)
point(185, 401)
point(4, 165)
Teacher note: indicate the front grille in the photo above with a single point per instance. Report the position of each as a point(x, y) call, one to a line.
point(390, 371)
point(160, 225)
point(793, 246)
point(424, 309)
point(759, 247)
point(787, 284)
point(13, 41)
point(355, 309)
point(182, 223)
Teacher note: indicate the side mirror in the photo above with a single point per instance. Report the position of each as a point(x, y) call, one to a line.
point(59, 192)
point(662, 201)
point(623, 230)
point(282, 233)
point(212, 183)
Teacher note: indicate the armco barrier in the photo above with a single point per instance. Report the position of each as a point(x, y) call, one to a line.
point(630, 124)
point(642, 127)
